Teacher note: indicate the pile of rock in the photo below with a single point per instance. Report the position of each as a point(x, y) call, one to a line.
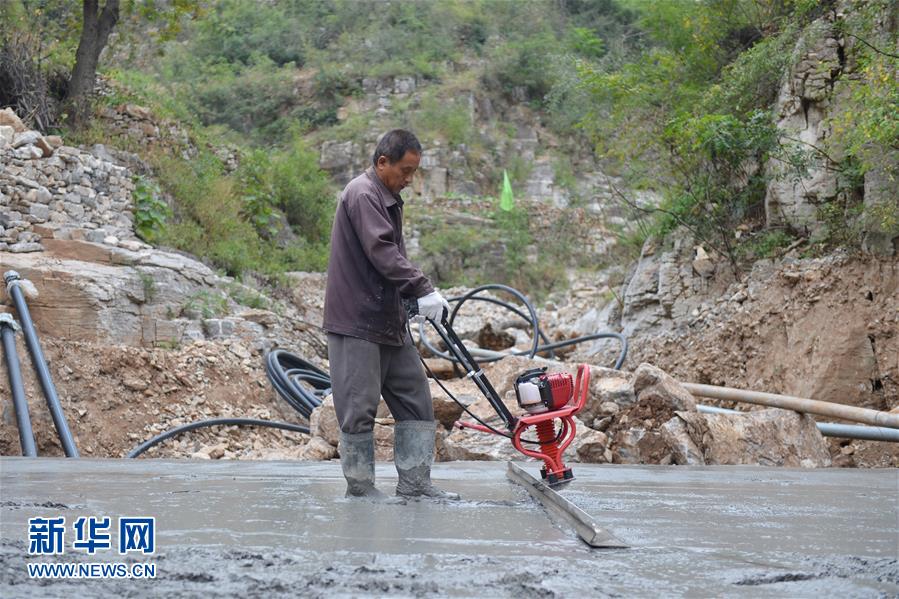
point(644, 417)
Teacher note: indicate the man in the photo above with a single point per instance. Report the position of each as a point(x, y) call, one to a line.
point(369, 348)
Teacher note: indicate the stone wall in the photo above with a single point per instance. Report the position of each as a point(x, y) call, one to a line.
point(49, 189)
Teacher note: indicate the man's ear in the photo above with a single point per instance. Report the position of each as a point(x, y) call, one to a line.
point(382, 161)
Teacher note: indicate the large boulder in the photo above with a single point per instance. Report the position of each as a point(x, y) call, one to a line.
point(770, 437)
point(318, 449)
point(447, 411)
point(653, 385)
point(638, 445)
point(607, 386)
point(323, 422)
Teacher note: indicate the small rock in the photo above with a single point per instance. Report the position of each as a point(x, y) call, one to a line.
point(7, 134)
point(318, 449)
point(29, 153)
point(25, 138)
point(10, 119)
point(25, 247)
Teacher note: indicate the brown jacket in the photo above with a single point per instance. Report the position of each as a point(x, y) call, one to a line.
point(368, 271)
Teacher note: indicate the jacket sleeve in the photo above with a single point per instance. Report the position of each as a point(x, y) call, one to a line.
point(375, 233)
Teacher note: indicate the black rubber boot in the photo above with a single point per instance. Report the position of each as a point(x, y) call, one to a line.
point(357, 458)
point(413, 448)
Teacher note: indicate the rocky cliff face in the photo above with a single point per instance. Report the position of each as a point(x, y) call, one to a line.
point(459, 170)
point(810, 96)
point(825, 328)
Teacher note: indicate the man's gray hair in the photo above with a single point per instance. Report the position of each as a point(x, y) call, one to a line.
point(394, 145)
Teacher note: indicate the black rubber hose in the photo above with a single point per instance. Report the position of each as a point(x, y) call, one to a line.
point(287, 426)
point(622, 355)
point(507, 306)
point(287, 373)
point(40, 364)
point(532, 313)
point(19, 402)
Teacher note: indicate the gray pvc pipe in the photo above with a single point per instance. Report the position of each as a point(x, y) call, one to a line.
point(13, 281)
point(19, 402)
point(829, 429)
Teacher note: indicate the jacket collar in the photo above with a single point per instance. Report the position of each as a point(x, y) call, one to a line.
point(387, 197)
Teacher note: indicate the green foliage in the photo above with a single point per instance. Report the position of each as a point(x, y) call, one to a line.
point(719, 184)
point(206, 304)
point(209, 221)
point(767, 244)
point(250, 99)
point(257, 192)
point(752, 80)
point(150, 209)
point(692, 114)
point(842, 223)
point(458, 253)
point(148, 284)
point(238, 32)
point(866, 128)
point(585, 42)
point(522, 65)
point(442, 118)
point(303, 191)
point(247, 296)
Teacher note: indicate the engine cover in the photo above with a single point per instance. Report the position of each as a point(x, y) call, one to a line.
point(539, 392)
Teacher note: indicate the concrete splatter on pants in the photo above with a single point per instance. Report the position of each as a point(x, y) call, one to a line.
point(362, 371)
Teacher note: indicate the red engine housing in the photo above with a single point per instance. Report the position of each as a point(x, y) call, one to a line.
point(539, 392)
point(560, 387)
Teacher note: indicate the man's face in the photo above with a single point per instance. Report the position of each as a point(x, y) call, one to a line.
point(397, 175)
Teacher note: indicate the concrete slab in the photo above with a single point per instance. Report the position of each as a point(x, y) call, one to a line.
point(283, 528)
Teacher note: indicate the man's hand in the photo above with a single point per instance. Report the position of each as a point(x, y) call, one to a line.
point(432, 306)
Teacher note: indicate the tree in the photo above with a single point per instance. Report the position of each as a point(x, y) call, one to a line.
point(96, 27)
point(98, 23)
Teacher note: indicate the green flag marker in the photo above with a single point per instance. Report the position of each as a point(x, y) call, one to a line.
point(506, 201)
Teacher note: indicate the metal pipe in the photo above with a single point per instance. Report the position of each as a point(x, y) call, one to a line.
point(8, 329)
point(797, 404)
point(13, 282)
point(829, 429)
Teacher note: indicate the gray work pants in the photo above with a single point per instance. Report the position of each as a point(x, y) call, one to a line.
point(363, 371)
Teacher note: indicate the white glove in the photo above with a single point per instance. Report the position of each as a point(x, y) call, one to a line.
point(432, 306)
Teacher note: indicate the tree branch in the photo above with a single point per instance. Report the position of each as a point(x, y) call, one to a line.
point(878, 50)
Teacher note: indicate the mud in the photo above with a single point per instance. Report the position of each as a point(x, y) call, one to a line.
point(283, 528)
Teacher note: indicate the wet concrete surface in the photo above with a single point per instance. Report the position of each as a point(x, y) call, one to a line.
point(283, 528)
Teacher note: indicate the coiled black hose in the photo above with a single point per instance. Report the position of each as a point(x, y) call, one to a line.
point(287, 426)
point(532, 321)
point(287, 372)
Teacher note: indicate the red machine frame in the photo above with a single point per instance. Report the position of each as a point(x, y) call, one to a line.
point(552, 443)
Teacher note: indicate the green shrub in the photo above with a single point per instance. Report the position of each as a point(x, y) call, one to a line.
point(234, 31)
point(303, 191)
point(150, 209)
point(522, 64)
point(440, 118)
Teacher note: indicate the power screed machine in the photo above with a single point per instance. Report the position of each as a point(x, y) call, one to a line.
point(550, 401)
